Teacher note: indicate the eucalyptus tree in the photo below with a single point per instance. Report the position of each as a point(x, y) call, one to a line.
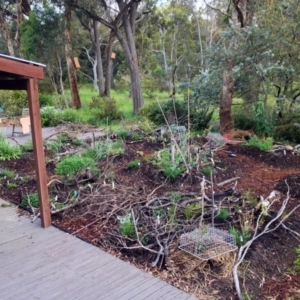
point(11, 16)
point(120, 16)
point(69, 57)
point(42, 40)
point(168, 43)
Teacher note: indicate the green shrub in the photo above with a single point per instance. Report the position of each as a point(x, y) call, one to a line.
point(49, 117)
point(105, 109)
point(69, 115)
point(8, 151)
point(199, 118)
point(162, 160)
point(123, 133)
point(45, 100)
point(242, 117)
point(33, 199)
point(73, 164)
point(133, 164)
point(13, 102)
point(223, 214)
point(241, 237)
point(262, 144)
point(264, 126)
point(288, 132)
point(192, 210)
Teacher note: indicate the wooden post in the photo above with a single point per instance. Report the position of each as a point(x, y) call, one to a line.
point(37, 139)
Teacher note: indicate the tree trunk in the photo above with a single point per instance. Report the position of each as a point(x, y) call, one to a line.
point(99, 59)
point(131, 56)
point(109, 64)
point(6, 34)
point(19, 21)
point(70, 63)
point(226, 124)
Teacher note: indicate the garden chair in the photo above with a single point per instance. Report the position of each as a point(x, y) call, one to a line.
point(23, 121)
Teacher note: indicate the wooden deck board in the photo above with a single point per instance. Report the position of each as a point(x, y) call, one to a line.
point(39, 263)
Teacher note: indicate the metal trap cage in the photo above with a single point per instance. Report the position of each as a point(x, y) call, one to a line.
point(207, 242)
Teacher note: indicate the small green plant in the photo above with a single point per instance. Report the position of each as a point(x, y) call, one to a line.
point(250, 198)
point(73, 164)
point(77, 142)
point(8, 151)
point(59, 205)
point(12, 185)
point(123, 133)
point(262, 144)
point(4, 173)
point(24, 179)
point(264, 125)
point(162, 160)
point(134, 163)
point(208, 170)
point(136, 137)
point(31, 200)
point(27, 146)
point(172, 171)
point(53, 145)
point(105, 148)
point(192, 210)
point(63, 138)
point(116, 148)
point(175, 196)
point(223, 214)
point(297, 260)
point(126, 226)
point(241, 237)
point(159, 212)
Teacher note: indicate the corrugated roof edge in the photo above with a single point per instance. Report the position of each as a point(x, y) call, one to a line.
point(21, 60)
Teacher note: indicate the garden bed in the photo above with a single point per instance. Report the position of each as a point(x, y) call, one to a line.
point(135, 185)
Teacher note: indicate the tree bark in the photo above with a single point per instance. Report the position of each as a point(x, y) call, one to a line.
point(131, 54)
point(99, 59)
point(226, 124)
point(70, 63)
point(109, 64)
point(19, 21)
point(6, 34)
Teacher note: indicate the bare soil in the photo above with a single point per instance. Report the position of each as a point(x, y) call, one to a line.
point(265, 273)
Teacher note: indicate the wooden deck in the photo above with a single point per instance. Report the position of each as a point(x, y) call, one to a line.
point(39, 263)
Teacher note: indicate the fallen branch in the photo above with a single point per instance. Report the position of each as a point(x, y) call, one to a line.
point(244, 249)
point(228, 181)
point(295, 234)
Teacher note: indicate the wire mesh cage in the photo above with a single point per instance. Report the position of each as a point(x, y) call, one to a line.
point(207, 242)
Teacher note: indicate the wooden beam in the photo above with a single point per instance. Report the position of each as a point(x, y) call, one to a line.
point(21, 68)
point(36, 128)
point(13, 84)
